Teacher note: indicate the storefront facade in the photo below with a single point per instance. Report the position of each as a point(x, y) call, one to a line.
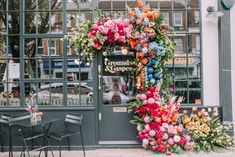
point(37, 66)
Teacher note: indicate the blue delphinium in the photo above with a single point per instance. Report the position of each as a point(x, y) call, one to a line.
point(153, 45)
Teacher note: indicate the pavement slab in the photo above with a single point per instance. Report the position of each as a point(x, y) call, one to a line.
point(135, 152)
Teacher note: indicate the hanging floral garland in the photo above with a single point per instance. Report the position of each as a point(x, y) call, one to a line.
point(161, 127)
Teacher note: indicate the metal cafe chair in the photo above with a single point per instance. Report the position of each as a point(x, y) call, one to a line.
point(5, 120)
point(71, 119)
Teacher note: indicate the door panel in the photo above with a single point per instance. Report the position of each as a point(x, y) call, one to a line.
point(116, 89)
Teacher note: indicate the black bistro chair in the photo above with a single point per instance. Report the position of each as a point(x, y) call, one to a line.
point(71, 119)
point(5, 120)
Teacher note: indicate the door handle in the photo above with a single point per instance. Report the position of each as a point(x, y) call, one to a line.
point(99, 82)
point(99, 77)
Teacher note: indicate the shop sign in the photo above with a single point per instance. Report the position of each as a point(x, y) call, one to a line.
point(119, 109)
point(58, 64)
point(118, 64)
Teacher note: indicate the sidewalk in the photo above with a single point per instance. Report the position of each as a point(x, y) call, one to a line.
point(129, 153)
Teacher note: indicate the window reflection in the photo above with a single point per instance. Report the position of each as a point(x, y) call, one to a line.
point(118, 82)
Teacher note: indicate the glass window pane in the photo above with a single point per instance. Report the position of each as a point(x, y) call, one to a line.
point(47, 67)
point(180, 44)
point(105, 5)
point(56, 5)
point(118, 82)
point(76, 91)
point(119, 5)
point(179, 4)
point(32, 68)
point(131, 4)
point(13, 22)
point(193, 4)
point(2, 23)
point(153, 3)
point(13, 5)
point(50, 94)
point(180, 68)
point(194, 21)
point(195, 44)
point(194, 67)
point(183, 93)
point(179, 20)
point(43, 4)
point(195, 96)
point(2, 46)
point(14, 46)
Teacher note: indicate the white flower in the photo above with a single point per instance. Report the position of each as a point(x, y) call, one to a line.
point(139, 127)
point(177, 138)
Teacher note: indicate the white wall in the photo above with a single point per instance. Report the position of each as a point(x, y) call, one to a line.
point(232, 20)
point(210, 56)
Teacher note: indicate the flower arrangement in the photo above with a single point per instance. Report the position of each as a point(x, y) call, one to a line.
point(206, 129)
point(161, 128)
point(35, 114)
point(110, 32)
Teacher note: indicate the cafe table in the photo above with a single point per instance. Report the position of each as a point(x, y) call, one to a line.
point(45, 123)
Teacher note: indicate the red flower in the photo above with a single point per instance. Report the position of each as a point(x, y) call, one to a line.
point(136, 109)
point(163, 27)
point(159, 141)
point(182, 141)
point(161, 148)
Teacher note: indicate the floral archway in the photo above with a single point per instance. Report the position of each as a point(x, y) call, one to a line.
point(156, 112)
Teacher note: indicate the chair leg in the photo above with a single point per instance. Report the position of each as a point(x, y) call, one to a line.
point(60, 149)
point(82, 143)
point(1, 143)
point(68, 140)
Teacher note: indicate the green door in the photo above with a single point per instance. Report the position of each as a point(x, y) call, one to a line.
point(115, 86)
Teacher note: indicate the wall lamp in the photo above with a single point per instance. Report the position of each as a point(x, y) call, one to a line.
point(212, 13)
point(228, 4)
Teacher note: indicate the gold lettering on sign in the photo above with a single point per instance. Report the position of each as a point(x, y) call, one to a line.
point(118, 66)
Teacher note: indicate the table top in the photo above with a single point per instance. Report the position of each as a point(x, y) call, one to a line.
point(27, 122)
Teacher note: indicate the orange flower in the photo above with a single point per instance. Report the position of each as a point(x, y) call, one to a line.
point(144, 60)
point(195, 117)
point(144, 15)
point(199, 113)
point(194, 108)
point(150, 14)
point(164, 118)
point(186, 119)
point(146, 29)
point(157, 119)
point(180, 128)
point(175, 117)
point(140, 66)
point(131, 12)
point(205, 119)
point(133, 43)
point(139, 21)
point(147, 8)
point(139, 3)
point(155, 13)
point(185, 111)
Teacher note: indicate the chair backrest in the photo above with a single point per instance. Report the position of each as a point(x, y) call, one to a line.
point(73, 118)
point(20, 117)
point(6, 118)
